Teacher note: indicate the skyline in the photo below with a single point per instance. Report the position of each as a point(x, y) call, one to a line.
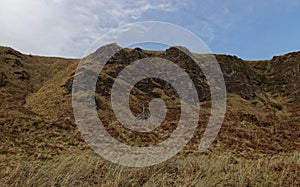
point(250, 30)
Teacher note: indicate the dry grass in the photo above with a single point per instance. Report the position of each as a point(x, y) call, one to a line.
point(88, 169)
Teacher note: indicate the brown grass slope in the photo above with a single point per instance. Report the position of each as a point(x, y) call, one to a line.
point(258, 144)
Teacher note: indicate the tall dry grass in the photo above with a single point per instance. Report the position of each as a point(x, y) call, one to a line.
point(88, 169)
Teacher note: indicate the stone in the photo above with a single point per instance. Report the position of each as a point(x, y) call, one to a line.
point(18, 62)
point(24, 75)
point(2, 79)
point(247, 93)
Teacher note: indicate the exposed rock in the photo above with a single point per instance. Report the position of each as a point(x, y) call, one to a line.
point(283, 74)
point(18, 62)
point(276, 106)
point(10, 51)
point(241, 77)
point(119, 58)
point(24, 75)
point(2, 79)
point(68, 86)
point(247, 93)
point(139, 52)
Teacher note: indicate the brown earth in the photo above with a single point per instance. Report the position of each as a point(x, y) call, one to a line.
point(258, 144)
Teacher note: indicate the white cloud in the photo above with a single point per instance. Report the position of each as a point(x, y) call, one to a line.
point(67, 27)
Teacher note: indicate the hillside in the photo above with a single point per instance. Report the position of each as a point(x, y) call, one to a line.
point(258, 144)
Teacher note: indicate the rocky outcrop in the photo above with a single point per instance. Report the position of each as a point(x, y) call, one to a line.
point(241, 77)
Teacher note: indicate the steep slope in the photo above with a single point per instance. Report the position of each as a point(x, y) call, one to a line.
point(254, 105)
point(258, 144)
point(24, 131)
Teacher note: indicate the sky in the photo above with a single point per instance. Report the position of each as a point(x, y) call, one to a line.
point(249, 29)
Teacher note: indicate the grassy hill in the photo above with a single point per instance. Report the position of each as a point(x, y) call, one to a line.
point(258, 144)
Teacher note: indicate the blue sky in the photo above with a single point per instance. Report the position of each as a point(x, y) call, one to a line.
point(249, 29)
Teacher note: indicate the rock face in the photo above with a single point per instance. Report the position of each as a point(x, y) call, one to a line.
point(253, 81)
point(239, 77)
point(247, 79)
point(284, 73)
point(281, 75)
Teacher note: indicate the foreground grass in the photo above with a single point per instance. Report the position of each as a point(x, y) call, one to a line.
point(88, 169)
